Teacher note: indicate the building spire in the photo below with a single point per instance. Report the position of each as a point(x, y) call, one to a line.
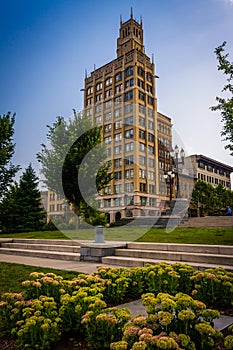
point(120, 20)
point(131, 12)
point(141, 20)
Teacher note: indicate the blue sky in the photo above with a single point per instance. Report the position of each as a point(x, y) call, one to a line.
point(46, 45)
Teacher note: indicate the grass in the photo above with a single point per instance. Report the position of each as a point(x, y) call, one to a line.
point(221, 236)
point(12, 275)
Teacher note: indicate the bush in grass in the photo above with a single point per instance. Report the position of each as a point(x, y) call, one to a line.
point(11, 310)
point(185, 273)
point(105, 327)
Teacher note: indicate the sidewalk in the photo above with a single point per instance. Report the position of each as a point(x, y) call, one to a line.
point(78, 266)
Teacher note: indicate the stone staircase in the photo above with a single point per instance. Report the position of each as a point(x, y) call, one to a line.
point(39, 248)
point(197, 255)
point(132, 254)
point(208, 221)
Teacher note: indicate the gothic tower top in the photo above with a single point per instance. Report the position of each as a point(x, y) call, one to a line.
point(131, 36)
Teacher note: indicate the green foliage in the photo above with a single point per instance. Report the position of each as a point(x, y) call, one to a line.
point(7, 149)
point(20, 209)
point(225, 105)
point(64, 162)
point(209, 200)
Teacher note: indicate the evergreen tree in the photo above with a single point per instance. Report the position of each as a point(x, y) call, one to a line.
point(21, 209)
point(7, 148)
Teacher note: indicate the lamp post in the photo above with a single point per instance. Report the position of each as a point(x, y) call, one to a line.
point(169, 178)
point(178, 158)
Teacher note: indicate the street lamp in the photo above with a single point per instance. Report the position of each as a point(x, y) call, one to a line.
point(178, 157)
point(169, 178)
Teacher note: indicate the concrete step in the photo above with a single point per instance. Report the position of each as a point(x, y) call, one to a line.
point(209, 221)
point(42, 254)
point(135, 262)
point(67, 242)
point(175, 247)
point(220, 259)
point(47, 247)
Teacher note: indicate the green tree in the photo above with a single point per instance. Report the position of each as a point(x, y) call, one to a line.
point(21, 209)
point(74, 159)
point(7, 149)
point(203, 198)
point(225, 105)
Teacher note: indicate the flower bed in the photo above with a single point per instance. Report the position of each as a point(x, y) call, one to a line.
point(180, 304)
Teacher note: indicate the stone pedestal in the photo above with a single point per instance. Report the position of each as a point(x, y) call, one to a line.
point(95, 251)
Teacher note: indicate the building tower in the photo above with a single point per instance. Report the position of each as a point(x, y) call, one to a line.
point(121, 97)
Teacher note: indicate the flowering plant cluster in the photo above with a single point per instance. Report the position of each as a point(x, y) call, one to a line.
point(210, 284)
point(173, 322)
point(50, 307)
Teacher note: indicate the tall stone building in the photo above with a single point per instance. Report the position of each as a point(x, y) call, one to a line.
point(121, 96)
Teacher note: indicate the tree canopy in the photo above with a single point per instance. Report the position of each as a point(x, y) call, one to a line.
point(225, 105)
point(7, 149)
point(74, 161)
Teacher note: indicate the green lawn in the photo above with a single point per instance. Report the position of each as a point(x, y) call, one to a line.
point(223, 236)
point(12, 275)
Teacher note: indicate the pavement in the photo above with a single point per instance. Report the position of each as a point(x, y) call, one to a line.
point(79, 266)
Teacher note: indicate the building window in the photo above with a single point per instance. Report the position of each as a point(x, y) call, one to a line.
point(149, 88)
point(142, 187)
point(109, 152)
point(142, 160)
point(108, 128)
point(142, 134)
point(129, 120)
point(129, 108)
point(118, 188)
point(141, 96)
point(129, 134)
point(129, 83)
point(129, 146)
point(141, 109)
point(90, 101)
point(118, 99)
point(141, 83)
point(141, 71)
point(151, 175)
point(107, 190)
point(149, 77)
point(142, 147)
point(118, 137)
point(107, 105)
point(151, 137)
point(142, 173)
point(108, 139)
point(143, 200)
point(108, 93)
point(108, 81)
point(52, 196)
point(89, 112)
point(107, 116)
point(129, 187)
point(98, 120)
point(59, 207)
point(152, 202)
point(151, 188)
point(129, 173)
point(150, 113)
point(118, 77)
point(151, 125)
point(129, 95)
point(118, 149)
point(99, 86)
point(107, 203)
point(142, 121)
point(117, 162)
point(118, 175)
point(129, 160)
point(150, 100)
point(90, 90)
point(98, 108)
point(52, 207)
point(151, 163)
point(118, 125)
point(129, 71)
point(151, 150)
point(118, 88)
point(117, 113)
point(117, 202)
